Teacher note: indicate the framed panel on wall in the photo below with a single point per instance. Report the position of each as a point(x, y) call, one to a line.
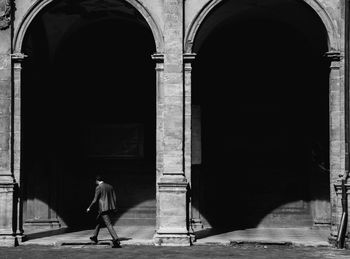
point(119, 141)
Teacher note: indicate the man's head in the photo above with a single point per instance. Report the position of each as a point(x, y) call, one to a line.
point(99, 179)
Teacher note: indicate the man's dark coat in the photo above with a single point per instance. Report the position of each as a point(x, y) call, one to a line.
point(106, 197)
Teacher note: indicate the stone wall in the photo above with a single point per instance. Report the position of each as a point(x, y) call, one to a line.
point(8, 205)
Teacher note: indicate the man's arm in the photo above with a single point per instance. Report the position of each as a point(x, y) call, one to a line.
point(97, 196)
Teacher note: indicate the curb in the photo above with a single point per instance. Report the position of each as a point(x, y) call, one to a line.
point(262, 243)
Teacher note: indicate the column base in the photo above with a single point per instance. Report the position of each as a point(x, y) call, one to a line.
point(332, 239)
point(172, 239)
point(45, 223)
point(196, 224)
point(8, 241)
point(193, 238)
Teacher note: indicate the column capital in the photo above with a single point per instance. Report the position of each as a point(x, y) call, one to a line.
point(189, 57)
point(18, 57)
point(338, 187)
point(333, 55)
point(178, 179)
point(158, 57)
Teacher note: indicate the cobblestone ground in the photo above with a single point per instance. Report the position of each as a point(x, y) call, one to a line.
point(198, 252)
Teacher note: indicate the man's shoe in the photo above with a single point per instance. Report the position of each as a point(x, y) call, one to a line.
point(116, 244)
point(93, 239)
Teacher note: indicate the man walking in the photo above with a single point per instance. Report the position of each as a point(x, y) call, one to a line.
point(106, 198)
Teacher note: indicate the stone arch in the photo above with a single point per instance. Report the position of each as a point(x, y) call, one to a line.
point(25, 27)
point(41, 4)
point(332, 36)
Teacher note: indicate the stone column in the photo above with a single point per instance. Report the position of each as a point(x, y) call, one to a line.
point(8, 185)
point(172, 218)
point(195, 221)
point(17, 59)
point(159, 59)
point(188, 59)
point(337, 134)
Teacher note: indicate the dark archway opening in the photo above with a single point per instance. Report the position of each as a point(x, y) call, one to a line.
point(88, 107)
point(262, 89)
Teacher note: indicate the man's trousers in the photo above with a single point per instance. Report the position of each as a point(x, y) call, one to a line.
point(104, 217)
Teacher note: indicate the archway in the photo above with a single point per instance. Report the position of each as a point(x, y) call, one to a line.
point(88, 107)
point(260, 84)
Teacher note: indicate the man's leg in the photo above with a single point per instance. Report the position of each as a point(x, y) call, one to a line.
point(109, 226)
point(97, 230)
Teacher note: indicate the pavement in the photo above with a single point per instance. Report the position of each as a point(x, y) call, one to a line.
point(156, 252)
point(143, 235)
point(128, 235)
point(268, 243)
point(273, 236)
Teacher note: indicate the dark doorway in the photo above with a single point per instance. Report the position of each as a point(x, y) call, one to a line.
point(88, 107)
point(262, 89)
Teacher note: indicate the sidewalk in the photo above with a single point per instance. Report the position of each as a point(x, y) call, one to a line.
point(130, 235)
point(159, 252)
point(143, 235)
point(277, 236)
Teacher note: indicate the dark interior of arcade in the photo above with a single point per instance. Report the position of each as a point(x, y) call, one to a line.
point(262, 89)
point(88, 108)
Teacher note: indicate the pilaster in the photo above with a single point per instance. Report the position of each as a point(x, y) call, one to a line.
point(172, 218)
point(195, 221)
point(159, 59)
point(337, 133)
point(188, 59)
point(8, 184)
point(17, 60)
